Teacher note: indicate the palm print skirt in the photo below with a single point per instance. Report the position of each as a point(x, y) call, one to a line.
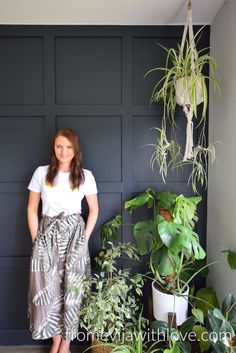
point(59, 263)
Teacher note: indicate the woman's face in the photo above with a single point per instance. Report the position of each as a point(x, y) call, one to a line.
point(63, 150)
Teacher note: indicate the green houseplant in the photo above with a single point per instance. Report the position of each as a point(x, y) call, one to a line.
point(169, 240)
point(184, 82)
point(110, 305)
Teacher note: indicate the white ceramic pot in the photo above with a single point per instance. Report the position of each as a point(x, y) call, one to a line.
point(182, 88)
point(168, 303)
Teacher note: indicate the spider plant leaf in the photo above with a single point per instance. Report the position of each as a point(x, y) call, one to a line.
point(205, 100)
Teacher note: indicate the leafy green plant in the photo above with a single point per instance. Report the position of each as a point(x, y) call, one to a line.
point(109, 304)
point(174, 339)
point(219, 325)
point(214, 327)
point(223, 324)
point(168, 236)
point(134, 341)
point(205, 299)
point(110, 230)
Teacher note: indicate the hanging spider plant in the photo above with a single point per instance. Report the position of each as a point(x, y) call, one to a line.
point(188, 66)
point(166, 153)
point(202, 156)
point(184, 82)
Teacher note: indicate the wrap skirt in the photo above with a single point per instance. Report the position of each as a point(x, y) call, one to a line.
point(59, 263)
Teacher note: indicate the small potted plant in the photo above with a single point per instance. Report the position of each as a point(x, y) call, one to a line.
point(110, 306)
point(172, 244)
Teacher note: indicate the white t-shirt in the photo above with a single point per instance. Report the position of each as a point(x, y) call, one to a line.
point(61, 197)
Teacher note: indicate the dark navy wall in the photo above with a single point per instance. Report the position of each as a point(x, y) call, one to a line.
point(90, 79)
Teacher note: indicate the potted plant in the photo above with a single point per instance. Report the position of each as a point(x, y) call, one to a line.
point(184, 82)
point(172, 244)
point(110, 305)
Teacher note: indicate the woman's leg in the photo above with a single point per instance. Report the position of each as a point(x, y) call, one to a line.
point(56, 344)
point(64, 346)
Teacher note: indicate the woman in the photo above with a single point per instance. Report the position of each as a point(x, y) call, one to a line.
point(60, 257)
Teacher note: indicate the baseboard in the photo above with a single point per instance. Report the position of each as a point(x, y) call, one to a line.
point(37, 349)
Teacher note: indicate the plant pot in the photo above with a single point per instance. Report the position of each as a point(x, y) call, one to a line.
point(182, 88)
point(100, 349)
point(164, 303)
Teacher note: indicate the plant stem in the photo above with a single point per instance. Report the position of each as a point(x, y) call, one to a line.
point(202, 300)
point(179, 271)
point(196, 273)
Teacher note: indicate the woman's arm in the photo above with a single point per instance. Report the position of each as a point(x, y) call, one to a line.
point(32, 213)
point(92, 201)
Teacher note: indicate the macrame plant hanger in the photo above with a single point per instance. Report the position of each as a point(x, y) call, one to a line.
point(188, 106)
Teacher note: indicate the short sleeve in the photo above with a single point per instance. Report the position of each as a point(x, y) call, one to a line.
point(35, 184)
point(90, 186)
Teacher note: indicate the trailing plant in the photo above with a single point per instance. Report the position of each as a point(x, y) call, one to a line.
point(202, 156)
point(166, 153)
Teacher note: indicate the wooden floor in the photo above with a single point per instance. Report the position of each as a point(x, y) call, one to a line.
point(26, 349)
point(35, 349)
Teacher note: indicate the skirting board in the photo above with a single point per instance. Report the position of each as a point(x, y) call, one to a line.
point(36, 349)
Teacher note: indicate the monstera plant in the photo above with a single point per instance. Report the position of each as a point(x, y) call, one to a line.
point(168, 237)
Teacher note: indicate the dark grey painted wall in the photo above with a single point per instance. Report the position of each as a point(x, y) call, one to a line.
point(90, 79)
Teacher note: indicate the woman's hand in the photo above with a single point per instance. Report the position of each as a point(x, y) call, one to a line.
point(32, 213)
point(92, 201)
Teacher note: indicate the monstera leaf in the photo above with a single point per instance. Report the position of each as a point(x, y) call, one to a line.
point(185, 210)
point(179, 238)
point(145, 236)
point(163, 262)
point(140, 200)
point(166, 200)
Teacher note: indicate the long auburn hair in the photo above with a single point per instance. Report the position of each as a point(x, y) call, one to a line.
point(76, 171)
